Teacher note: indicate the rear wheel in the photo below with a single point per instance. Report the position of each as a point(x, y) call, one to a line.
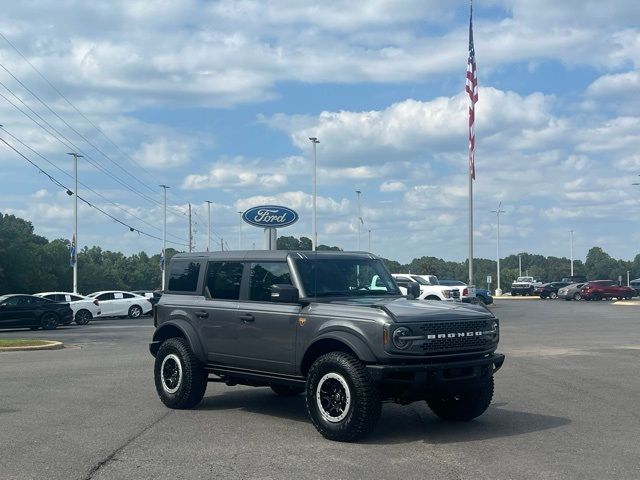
point(342, 400)
point(553, 295)
point(49, 321)
point(464, 406)
point(179, 376)
point(287, 391)
point(577, 296)
point(83, 317)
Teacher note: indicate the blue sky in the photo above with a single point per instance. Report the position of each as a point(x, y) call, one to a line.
point(217, 99)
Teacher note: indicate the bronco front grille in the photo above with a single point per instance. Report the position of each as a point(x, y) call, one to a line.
point(456, 336)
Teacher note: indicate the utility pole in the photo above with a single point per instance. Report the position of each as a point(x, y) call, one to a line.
point(75, 219)
point(571, 249)
point(190, 232)
point(222, 244)
point(498, 212)
point(360, 221)
point(314, 227)
point(240, 232)
point(209, 227)
point(164, 238)
point(369, 241)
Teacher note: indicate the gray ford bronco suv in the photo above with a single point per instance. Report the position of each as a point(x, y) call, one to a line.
point(331, 325)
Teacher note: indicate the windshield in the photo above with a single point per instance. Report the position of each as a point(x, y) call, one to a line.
point(420, 280)
point(345, 277)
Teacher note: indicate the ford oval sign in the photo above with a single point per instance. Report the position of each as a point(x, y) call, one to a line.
point(270, 216)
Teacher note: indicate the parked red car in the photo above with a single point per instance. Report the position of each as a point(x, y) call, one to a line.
point(599, 289)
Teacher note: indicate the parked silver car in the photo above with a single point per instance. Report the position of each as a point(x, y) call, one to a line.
point(571, 292)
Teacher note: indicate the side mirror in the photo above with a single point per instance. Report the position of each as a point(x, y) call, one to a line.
point(413, 290)
point(283, 293)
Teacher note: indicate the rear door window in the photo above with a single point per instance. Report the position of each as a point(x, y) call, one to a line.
point(223, 280)
point(184, 276)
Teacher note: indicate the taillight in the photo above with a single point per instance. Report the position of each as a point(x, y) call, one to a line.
point(465, 292)
point(96, 303)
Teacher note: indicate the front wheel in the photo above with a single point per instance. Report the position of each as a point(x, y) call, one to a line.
point(464, 406)
point(553, 295)
point(135, 311)
point(49, 321)
point(577, 296)
point(83, 317)
point(179, 376)
point(342, 400)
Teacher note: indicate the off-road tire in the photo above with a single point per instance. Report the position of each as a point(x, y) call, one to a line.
point(287, 391)
point(49, 321)
point(135, 311)
point(364, 404)
point(464, 406)
point(83, 317)
point(191, 382)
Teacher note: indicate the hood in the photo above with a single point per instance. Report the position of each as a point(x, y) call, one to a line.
point(402, 310)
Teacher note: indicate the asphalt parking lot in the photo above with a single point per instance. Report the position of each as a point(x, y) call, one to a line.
point(566, 406)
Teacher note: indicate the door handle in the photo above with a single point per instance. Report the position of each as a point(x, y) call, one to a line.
point(202, 314)
point(247, 317)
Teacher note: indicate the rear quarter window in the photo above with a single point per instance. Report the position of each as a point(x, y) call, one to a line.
point(184, 276)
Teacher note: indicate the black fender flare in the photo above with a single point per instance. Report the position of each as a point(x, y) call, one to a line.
point(351, 340)
point(181, 328)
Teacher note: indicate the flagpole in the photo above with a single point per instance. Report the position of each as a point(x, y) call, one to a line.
point(470, 229)
point(472, 90)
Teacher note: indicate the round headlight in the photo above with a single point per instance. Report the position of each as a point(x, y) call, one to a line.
point(398, 340)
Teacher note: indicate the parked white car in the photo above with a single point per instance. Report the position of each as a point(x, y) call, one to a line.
point(116, 303)
point(84, 308)
point(429, 288)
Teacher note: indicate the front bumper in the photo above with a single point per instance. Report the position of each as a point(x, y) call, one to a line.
point(430, 376)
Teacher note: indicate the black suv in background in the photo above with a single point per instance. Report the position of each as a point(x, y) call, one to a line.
point(330, 324)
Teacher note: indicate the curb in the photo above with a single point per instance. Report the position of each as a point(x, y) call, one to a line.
point(51, 345)
point(518, 297)
point(627, 303)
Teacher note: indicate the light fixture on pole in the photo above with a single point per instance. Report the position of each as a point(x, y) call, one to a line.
point(498, 212)
point(74, 258)
point(314, 227)
point(571, 249)
point(209, 226)
point(360, 221)
point(163, 260)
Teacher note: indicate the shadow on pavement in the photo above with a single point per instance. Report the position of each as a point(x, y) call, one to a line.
point(398, 424)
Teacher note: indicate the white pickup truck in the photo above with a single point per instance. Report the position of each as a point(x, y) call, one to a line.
point(524, 286)
point(430, 289)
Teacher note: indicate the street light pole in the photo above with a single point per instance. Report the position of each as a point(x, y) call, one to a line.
point(240, 233)
point(369, 250)
point(498, 212)
point(314, 230)
point(75, 219)
point(209, 226)
point(164, 237)
point(360, 222)
point(571, 249)
point(519, 265)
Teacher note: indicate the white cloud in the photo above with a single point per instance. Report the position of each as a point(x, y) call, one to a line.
point(231, 173)
point(163, 153)
point(392, 187)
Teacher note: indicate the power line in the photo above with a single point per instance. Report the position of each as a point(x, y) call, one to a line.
point(78, 111)
point(60, 184)
point(120, 207)
point(75, 147)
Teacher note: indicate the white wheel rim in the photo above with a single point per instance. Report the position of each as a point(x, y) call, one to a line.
point(171, 373)
point(333, 397)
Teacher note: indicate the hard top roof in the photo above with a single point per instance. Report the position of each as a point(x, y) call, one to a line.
point(270, 255)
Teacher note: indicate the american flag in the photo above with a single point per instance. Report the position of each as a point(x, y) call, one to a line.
point(472, 91)
point(73, 254)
